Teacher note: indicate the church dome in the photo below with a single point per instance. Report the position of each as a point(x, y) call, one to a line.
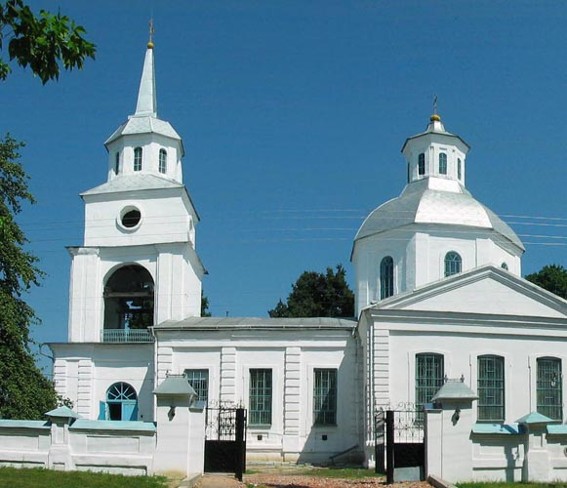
point(434, 201)
point(434, 229)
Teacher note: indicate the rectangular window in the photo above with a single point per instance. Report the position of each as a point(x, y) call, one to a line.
point(260, 397)
point(490, 388)
point(442, 164)
point(325, 397)
point(421, 164)
point(199, 380)
point(429, 377)
point(549, 391)
point(138, 159)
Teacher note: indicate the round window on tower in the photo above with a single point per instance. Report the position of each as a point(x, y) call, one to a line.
point(130, 218)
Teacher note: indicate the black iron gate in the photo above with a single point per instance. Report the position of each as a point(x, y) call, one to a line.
point(400, 443)
point(225, 440)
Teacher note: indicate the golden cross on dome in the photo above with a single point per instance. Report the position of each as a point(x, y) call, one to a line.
point(435, 104)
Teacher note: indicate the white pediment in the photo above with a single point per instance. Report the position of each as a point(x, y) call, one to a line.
point(485, 290)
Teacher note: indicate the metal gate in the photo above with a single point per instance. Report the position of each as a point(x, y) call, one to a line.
point(225, 440)
point(400, 443)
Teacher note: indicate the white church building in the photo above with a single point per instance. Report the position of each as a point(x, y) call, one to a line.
point(438, 289)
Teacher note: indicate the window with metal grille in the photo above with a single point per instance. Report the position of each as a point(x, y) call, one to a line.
point(386, 277)
point(429, 376)
point(442, 164)
point(260, 397)
point(549, 391)
point(453, 263)
point(138, 159)
point(490, 388)
point(162, 160)
point(325, 397)
point(421, 164)
point(199, 381)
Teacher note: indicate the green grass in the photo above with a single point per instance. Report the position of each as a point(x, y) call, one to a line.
point(43, 478)
point(493, 484)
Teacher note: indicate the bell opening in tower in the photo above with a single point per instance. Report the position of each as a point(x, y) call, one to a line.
point(128, 305)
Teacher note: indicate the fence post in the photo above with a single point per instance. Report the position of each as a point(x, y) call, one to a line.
point(389, 446)
point(240, 443)
point(379, 421)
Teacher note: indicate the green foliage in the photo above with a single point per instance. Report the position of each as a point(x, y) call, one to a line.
point(553, 278)
point(502, 484)
point(33, 478)
point(318, 295)
point(44, 42)
point(204, 306)
point(24, 392)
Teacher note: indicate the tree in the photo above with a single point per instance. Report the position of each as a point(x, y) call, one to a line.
point(44, 42)
point(24, 391)
point(552, 277)
point(318, 295)
point(204, 306)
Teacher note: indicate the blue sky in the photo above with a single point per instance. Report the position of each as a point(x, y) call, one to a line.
point(293, 114)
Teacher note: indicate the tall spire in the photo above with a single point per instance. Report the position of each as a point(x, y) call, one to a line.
point(147, 104)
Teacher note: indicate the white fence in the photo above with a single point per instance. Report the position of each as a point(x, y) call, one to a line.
point(460, 449)
point(175, 443)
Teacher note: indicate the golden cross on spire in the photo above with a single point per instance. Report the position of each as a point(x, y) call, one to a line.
point(151, 41)
point(435, 104)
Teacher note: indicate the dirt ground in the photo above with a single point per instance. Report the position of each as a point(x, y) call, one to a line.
point(306, 481)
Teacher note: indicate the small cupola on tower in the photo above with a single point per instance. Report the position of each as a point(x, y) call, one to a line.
point(145, 144)
point(435, 153)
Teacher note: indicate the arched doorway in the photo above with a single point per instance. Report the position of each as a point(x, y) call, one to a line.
point(128, 305)
point(121, 402)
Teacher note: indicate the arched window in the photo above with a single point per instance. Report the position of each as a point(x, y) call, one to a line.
point(121, 403)
point(549, 388)
point(429, 376)
point(116, 163)
point(459, 169)
point(453, 263)
point(138, 159)
point(162, 160)
point(490, 388)
point(128, 305)
point(386, 277)
point(442, 164)
point(421, 164)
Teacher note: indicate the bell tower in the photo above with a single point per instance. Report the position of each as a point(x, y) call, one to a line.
point(138, 265)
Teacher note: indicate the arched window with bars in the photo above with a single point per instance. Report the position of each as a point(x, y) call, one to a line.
point(453, 263)
point(386, 277)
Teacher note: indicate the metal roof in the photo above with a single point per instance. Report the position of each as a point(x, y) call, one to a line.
point(534, 418)
point(145, 124)
point(64, 412)
point(175, 385)
point(434, 201)
point(454, 390)
point(132, 182)
point(258, 322)
point(125, 425)
point(507, 429)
